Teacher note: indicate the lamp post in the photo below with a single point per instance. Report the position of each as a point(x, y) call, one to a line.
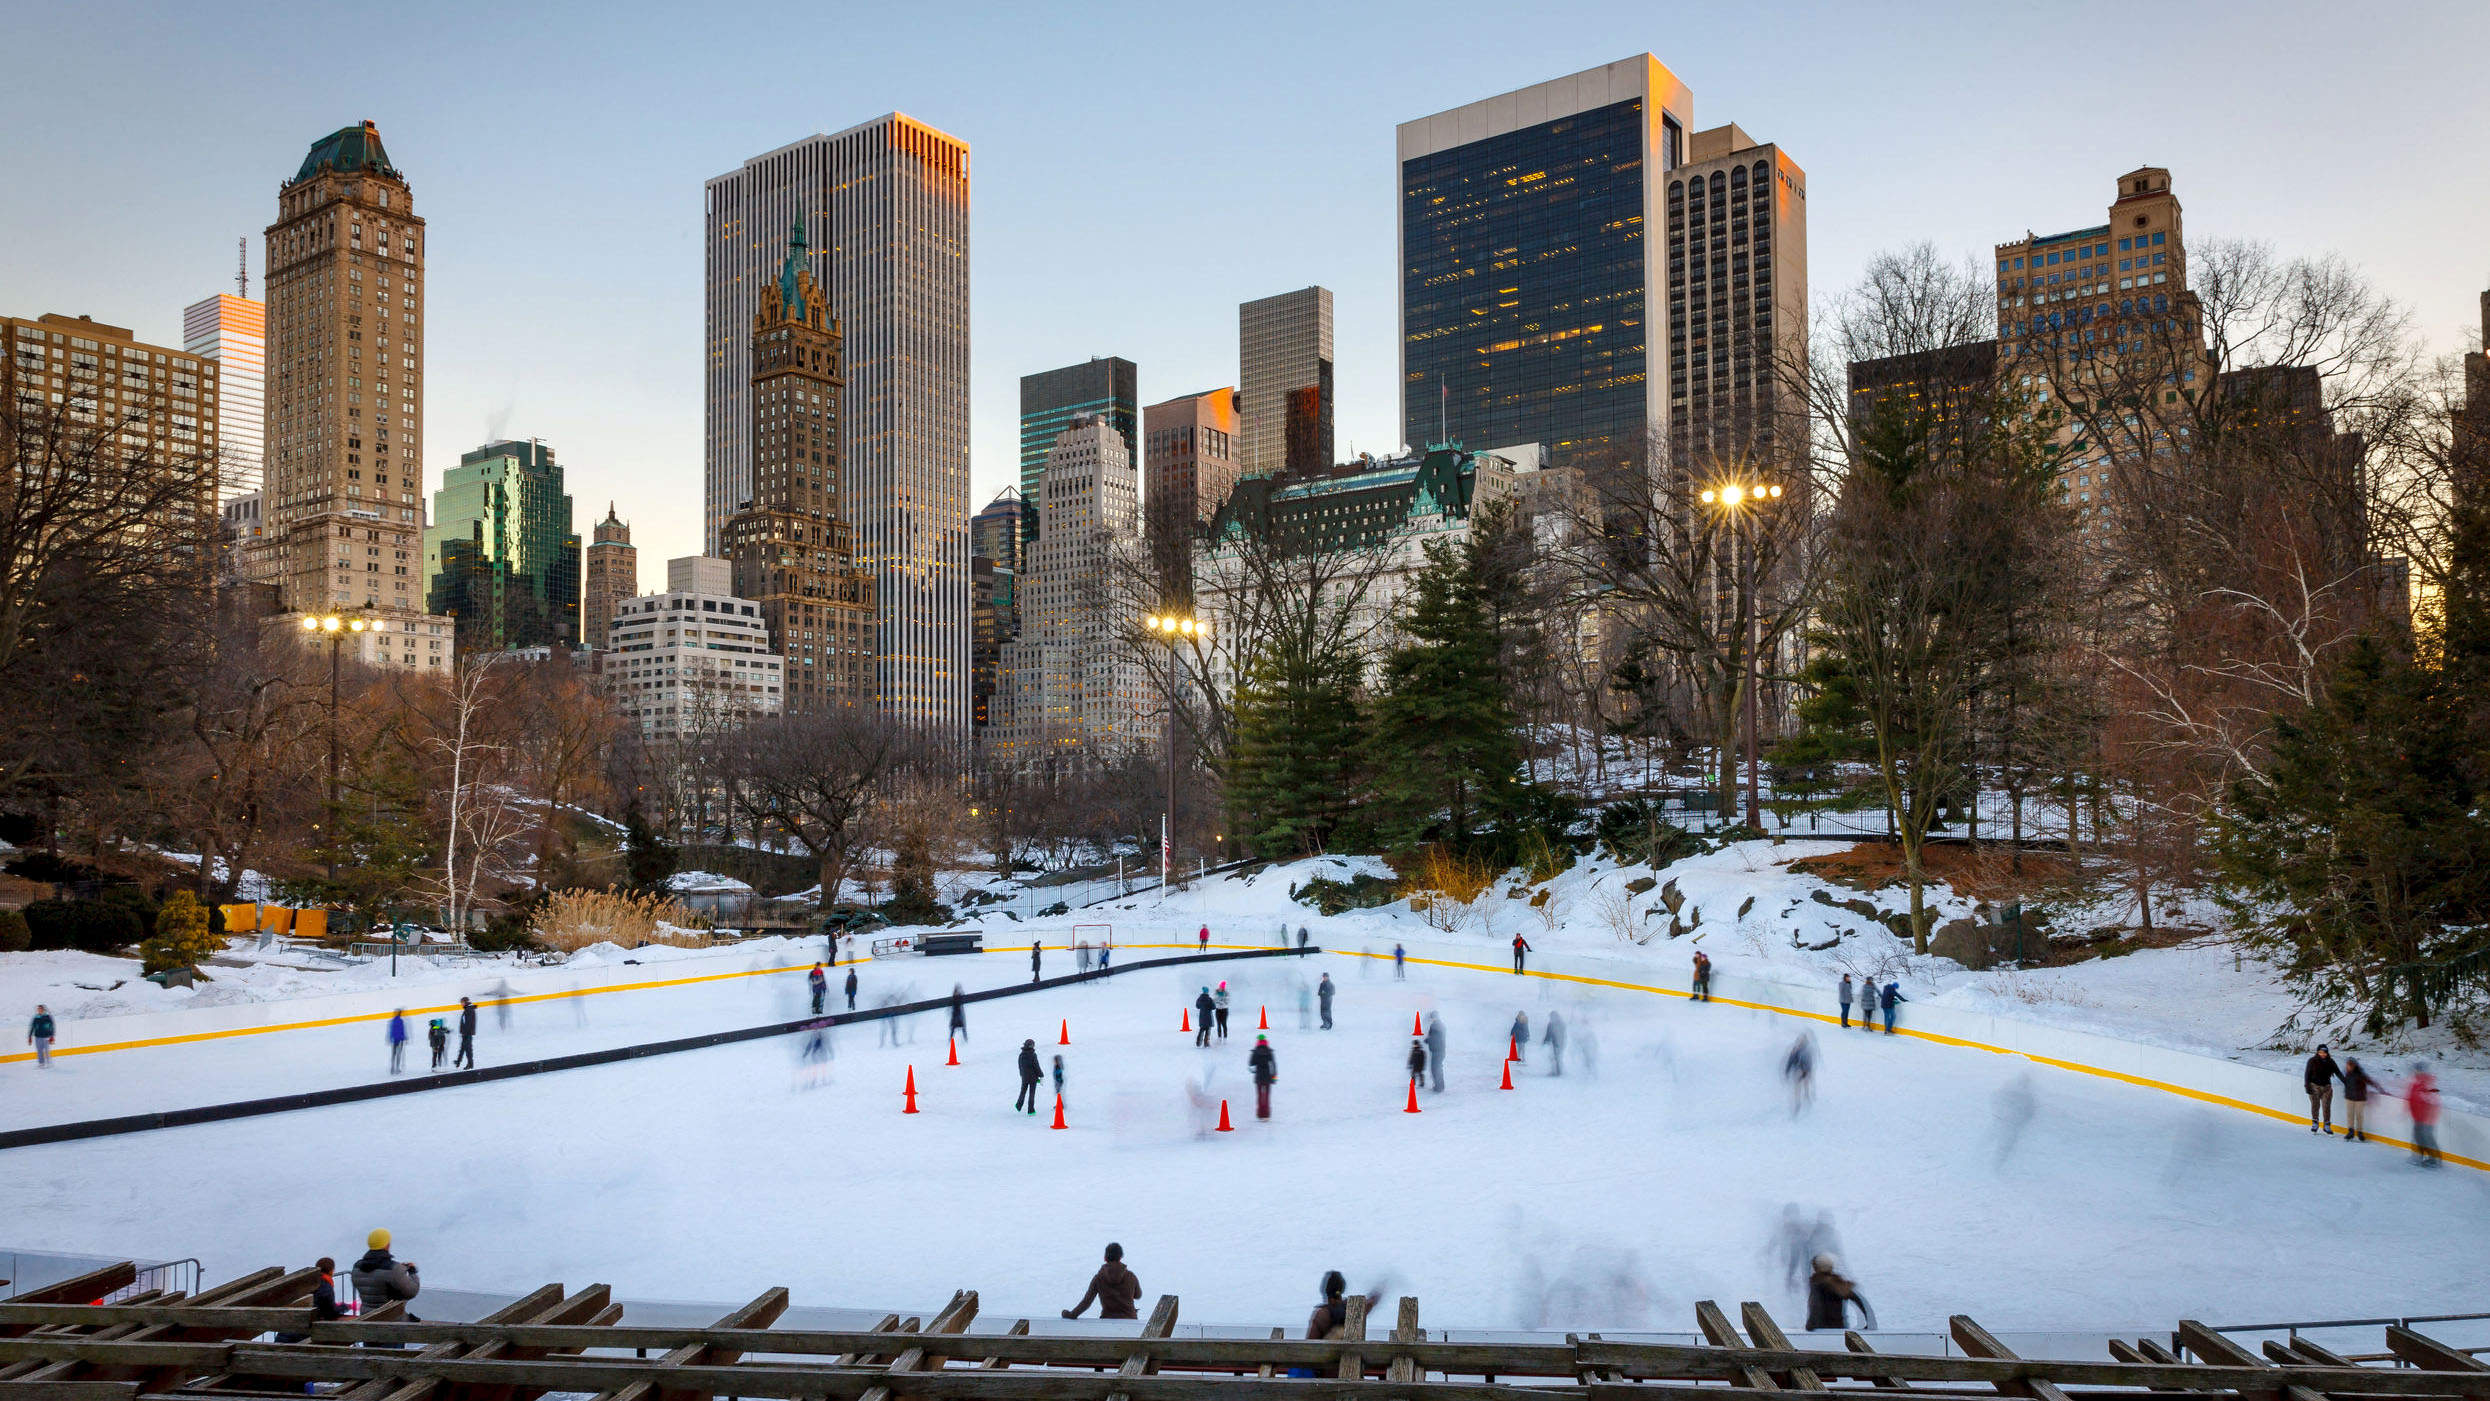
point(336, 627)
point(1740, 500)
point(1171, 627)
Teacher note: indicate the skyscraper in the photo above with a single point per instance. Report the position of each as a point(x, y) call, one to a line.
point(1073, 695)
point(1284, 378)
point(1105, 387)
point(791, 546)
point(502, 556)
point(1529, 281)
point(887, 205)
point(233, 332)
point(994, 559)
point(612, 569)
point(1189, 463)
point(1737, 305)
point(344, 437)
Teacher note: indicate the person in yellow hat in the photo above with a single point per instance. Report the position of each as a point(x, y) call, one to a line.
point(381, 1279)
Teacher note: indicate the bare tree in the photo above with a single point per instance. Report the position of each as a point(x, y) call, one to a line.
point(815, 779)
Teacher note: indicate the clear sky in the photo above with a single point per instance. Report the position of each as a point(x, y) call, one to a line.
point(1140, 169)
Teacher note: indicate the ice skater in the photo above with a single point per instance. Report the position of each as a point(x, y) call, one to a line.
point(1798, 1241)
point(959, 1012)
point(1058, 1076)
point(1554, 1040)
point(1417, 1062)
point(1202, 1009)
point(1890, 998)
point(1323, 993)
point(2318, 1078)
point(1103, 951)
point(1400, 962)
point(1115, 1288)
point(1435, 1050)
point(501, 1005)
point(466, 1033)
point(1520, 946)
point(1830, 1295)
point(42, 1029)
point(1080, 955)
point(2015, 1108)
point(1203, 939)
point(851, 987)
point(1305, 1007)
point(1702, 987)
point(1036, 952)
point(1798, 1068)
point(2421, 1099)
point(1030, 1075)
point(439, 1035)
point(397, 1041)
point(887, 1026)
point(1845, 995)
point(1266, 1068)
point(1222, 1008)
point(1519, 1041)
point(819, 982)
point(2356, 1086)
point(1301, 941)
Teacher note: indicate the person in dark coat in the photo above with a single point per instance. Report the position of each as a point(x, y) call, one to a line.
point(2356, 1086)
point(1435, 1050)
point(1519, 1045)
point(851, 988)
point(1266, 1068)
point(1520, 946)
point(1030, 1074)
point(381, 1279)
point(1301, 941)
point(1846, 1000)
point(1035, 953)
point(1202, 1009)
point(2318, 1078)
point(1703, 976)
point(1400, 962)
point(1417, 1061)
point(1322, 993)
point(819, 982)
point(324, 1307)
point(467, 1033)
point(39, 1034)
point(1555, 1042)
point(438, 1033)
point(1830, 1295)
point(1332, 1315)
point(397, 1041)
point(1117, 1289)
point(1889, 999)
point(959, 1012)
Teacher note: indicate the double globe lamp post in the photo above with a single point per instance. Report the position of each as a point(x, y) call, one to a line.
point(337, 628)
point(1739, 501)
point(1171, 627)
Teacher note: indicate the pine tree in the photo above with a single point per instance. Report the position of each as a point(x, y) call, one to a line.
point(181, 939)
point(1446, 748)
point(1294, 769)
point(376, 841)
point(647, 860)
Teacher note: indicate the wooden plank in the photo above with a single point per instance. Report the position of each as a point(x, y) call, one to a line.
point(2312, 1355)
point(68, 1391)
point(1353, 1330)
point(1403, 1367)
point(1717, 1332)
point(2429, 1354)
point(1162, 1321)
point(1019, 1329)
point(1766, 1333)
point(954, 1317)
point(2125, 1353)
point(889, 1324)
point(523, 1309)
point(1852, 1340)
point(1979, 1342)
point(81, 1289)
point(1265, 1371)
point(2216, 1347)
point(758, 1314)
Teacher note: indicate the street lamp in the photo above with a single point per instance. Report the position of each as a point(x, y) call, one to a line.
point(1170, 627)
point(336, 627)
point(1740, 499)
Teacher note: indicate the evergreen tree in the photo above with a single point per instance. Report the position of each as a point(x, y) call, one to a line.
point(1294, 768)
point(181, 939)
point(647, 860)
point(375, 838)
point(1445, 743)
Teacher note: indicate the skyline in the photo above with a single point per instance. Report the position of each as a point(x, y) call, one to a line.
point(564, 272)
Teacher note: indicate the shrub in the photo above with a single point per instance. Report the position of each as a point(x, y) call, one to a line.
point(182, 938)
point(1358, 892)
point(573, 919)
point(15, 937)
point(58, 870)
point(1447, 884)
point(89, 926)
point(1633, 833)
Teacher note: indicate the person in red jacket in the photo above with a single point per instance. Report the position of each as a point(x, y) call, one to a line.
point(2421, 1098)
point(1520, 946)
point(1204, 939)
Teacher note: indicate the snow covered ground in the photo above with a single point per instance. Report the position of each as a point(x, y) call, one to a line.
point(1656, 1171)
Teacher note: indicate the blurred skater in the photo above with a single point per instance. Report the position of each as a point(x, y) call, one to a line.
point(1205, 1110)
point(1301, 941)
point(1080, 955)
point(1702, 987)
point(2356, 1083)
point(466, 1033)
point(1332, 1315)
point(1323, 993)
point(1266, 1068)
point(2318, 1078)
point(1114, 1287)
point(1036, 952)
point(886, 1027)
point(438, 1033)
point(1891, 997)
point(959, 1012)
point(1798, 1068)
point(1202, 1008)
point(1797, 1241)
point(1030, 1075)
point(1400, 962)
point(1554, 1040)
point(819, 982)
point(2421, 1098)
point(1520, 946)
point(1417, 1062)
point(501, 1005)
point(851, 987)
point(1103, 951)
point(1058, 1075)
point(2015, 1107)
point(1305, 1007)
point(1518, 1044)
point(1435, 1050)
point(397, 1040)
point(1845, 995)
point(1221, 999)
point(42, 1029)
point(1830, 1295)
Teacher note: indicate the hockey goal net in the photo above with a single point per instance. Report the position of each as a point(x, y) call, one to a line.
point(1097, 936)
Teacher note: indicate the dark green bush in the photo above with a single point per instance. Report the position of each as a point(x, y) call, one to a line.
point(15, 937)
point(1358, 892)
point(1634, 832)
point(90, 926)
point(59, 870)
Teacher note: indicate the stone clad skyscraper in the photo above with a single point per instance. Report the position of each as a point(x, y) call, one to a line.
point(612, 574)
point(886, 203)
point(1284, 382)
point(792, 550)
point(345, 394)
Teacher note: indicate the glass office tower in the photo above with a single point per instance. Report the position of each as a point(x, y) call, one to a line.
point(1528, 269)
point(1105, 387)
point(502, 556)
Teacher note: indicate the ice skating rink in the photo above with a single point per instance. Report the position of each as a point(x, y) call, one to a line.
point(1659, 1169)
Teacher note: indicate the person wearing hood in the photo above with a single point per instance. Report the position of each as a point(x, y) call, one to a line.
point(1030, 1075)
point(959, 1011)
point(381, 1279)
point(438, 1035)
point(1202, 1009)
point(1830, 1295)
point(1117, 1289)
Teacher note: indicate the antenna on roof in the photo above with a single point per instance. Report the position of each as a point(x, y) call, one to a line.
point(242, 267)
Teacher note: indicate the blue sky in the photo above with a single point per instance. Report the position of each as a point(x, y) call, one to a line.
point(1140, 169)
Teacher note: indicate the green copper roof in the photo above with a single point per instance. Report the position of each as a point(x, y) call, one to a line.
point(349, 148)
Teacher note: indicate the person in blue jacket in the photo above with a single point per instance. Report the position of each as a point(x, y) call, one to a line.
point(1891, 996)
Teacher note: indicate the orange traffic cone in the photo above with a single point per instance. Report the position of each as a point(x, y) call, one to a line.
point(1059, 1123)
point(1416, 1027)
point(1266, 1020)
point(911, 1109)
point(1512, 1048)
point(1184, 1020)
point(1413, 1096)
point(955, 1052)
point(1224, 1125)
point(1064, 1038)
point(1508, 1076)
